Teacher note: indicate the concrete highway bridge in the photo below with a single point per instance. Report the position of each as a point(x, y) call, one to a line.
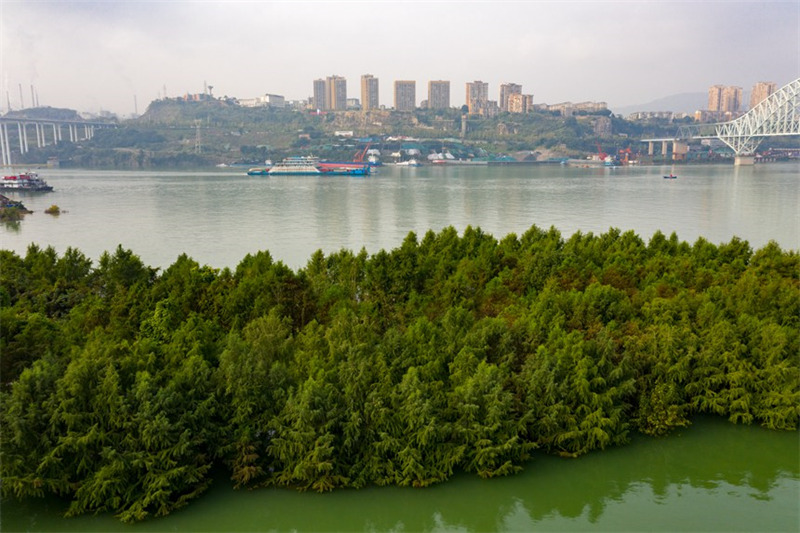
point(18, 132)
point(777, 115)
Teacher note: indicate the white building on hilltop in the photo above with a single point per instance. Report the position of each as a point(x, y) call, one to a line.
point(268, 100)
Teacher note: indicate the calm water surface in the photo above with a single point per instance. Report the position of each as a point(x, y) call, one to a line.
point(219, 217)
point(712, 476)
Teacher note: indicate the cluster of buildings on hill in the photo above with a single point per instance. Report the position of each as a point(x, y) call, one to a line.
point(330, 94)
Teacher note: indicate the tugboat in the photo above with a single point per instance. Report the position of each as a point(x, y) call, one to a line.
point(24, 182)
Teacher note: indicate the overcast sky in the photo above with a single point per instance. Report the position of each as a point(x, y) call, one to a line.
point(100, 55)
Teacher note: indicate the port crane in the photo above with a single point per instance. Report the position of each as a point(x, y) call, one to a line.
point(359, 157)
point(600, 153)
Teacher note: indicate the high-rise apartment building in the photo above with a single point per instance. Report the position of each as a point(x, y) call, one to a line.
point(438, 94)
point(519, 103)
point(405, 97)
point(761, 91)
point(477, 98)
point(723, 99)
point(731, 99)
point(319, 100)
point(506, 90)
point(336, 92)
point(715, 97)
point(369, 92)
point(528, 102)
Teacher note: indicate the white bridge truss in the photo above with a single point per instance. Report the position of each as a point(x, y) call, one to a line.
point(776, 115)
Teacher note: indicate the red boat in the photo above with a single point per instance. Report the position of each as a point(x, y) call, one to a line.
point(26, 181)
point(357, 167)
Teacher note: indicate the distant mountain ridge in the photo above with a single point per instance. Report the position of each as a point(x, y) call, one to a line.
point(677, 103)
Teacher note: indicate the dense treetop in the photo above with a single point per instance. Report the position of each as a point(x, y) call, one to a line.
point(123, 385)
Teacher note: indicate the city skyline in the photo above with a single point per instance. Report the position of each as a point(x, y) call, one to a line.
point(106, 56)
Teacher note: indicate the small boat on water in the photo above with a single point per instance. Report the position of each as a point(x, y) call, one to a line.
point(671, 177)
point(408, 163)
point(258, 171)
point(23, 182)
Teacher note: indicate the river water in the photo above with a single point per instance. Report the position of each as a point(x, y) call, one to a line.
point(219, 217)
point(713, 476)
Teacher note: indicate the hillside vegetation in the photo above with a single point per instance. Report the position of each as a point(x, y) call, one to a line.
point(174, 133)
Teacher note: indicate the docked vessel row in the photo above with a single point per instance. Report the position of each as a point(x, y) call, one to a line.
point(311, 166)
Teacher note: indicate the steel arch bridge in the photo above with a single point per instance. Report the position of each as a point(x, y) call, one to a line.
point(777, 115)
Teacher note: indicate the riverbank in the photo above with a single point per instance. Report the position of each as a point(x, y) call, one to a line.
point(711, 476)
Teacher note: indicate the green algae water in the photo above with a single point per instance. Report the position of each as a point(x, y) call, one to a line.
point(712, 476)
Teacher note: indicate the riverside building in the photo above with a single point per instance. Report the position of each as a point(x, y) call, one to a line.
point(506, 90)
point(319, 100)
point(336, 90)
point(477, 97)
point(761, 91)
point(405, 98)
point(438, 94)
point(722, 99)
point(369, 92)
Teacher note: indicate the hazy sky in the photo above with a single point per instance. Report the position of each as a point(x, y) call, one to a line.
point(98, 55)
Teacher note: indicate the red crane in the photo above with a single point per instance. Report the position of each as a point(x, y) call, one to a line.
point(359, 157)
point(601, 153)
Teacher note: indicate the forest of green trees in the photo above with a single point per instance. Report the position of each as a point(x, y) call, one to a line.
point(124, 387)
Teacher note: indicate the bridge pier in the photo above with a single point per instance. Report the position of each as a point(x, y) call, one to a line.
point(671, 148)
point(4, 145)
point(679, 150)
point(40, 140)
point(23, 138)
point(744, 160)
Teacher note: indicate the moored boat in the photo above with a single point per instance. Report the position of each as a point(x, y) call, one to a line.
point(311, 166)
point(465, 162)
point(258, 171)
point(295, 166)
point(348, 168)
point(25, 181)
point(339, 169)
